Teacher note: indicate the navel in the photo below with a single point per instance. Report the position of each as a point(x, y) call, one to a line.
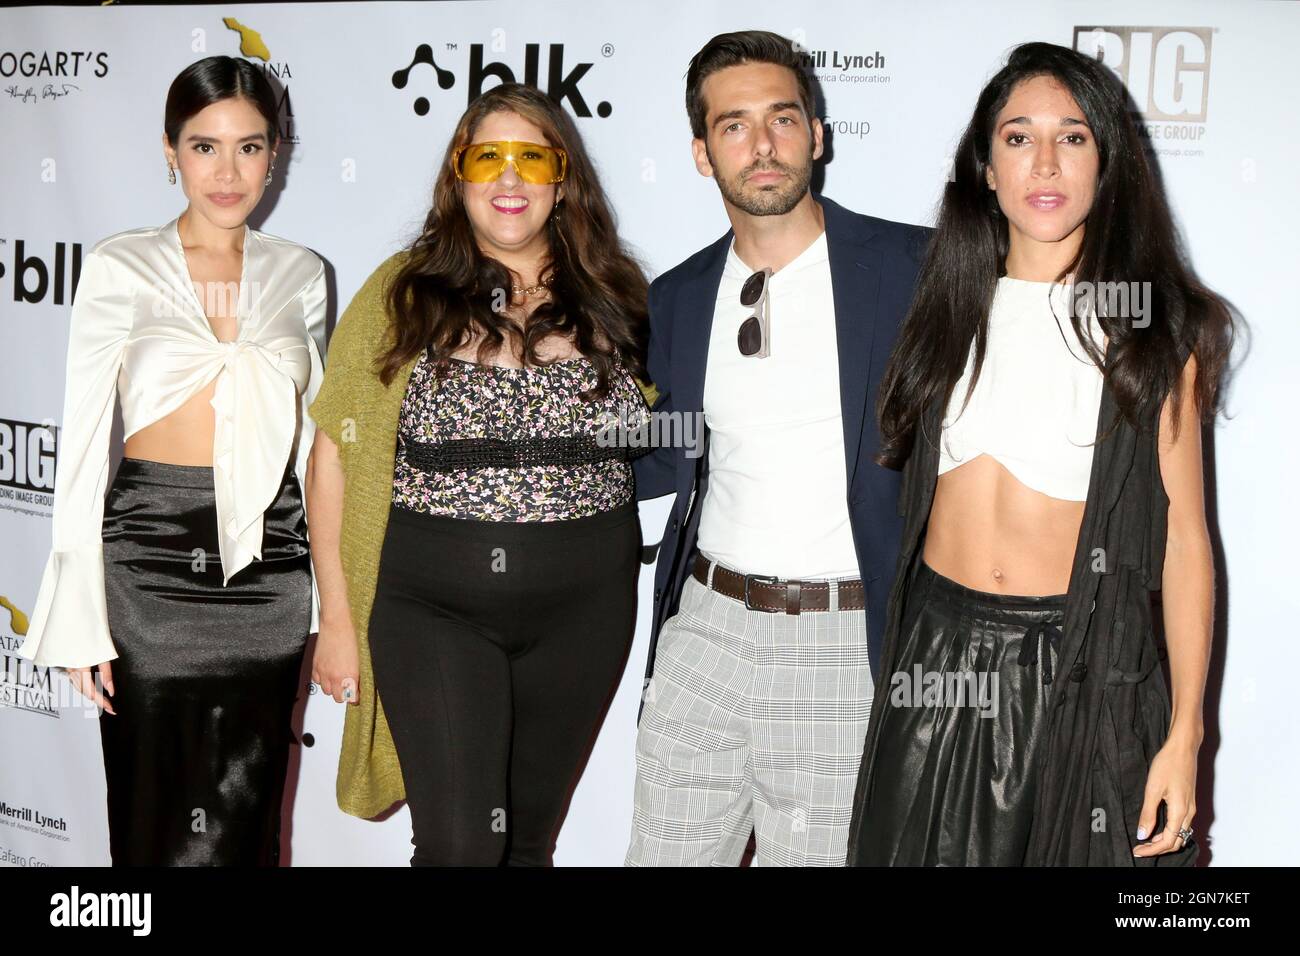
point(997, 575)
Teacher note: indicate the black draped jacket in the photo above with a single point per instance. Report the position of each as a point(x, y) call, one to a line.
point(1109, 709)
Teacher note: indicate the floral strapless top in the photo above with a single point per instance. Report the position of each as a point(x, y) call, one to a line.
point(515, 444)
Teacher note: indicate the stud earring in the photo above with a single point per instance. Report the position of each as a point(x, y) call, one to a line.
point(269, 171)
point(171, 174)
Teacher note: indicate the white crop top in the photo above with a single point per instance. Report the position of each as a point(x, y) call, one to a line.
point(139, 333)
point(1035, 406)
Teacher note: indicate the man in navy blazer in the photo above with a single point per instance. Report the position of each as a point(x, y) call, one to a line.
point(771, 584)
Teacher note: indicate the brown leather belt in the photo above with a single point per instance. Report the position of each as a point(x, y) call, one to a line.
point(761, 593)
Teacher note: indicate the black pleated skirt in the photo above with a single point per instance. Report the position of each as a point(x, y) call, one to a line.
point(205, 681)
point(963, 724)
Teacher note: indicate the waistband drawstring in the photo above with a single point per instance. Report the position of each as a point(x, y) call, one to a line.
point(1040, 632)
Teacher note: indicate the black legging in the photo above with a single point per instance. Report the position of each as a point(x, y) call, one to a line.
point(496, 646)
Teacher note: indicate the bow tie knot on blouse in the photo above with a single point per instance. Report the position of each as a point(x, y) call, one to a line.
point(255, 404)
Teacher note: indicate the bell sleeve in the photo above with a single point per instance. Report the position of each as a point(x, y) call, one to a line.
point(313, 313)
point(69, 623)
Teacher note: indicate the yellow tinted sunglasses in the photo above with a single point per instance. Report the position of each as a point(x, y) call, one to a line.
point(484, 162)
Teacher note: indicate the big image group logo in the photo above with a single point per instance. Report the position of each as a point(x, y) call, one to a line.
point(1166, 71)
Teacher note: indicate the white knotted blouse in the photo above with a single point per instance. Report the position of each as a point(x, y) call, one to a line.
point(140, 334)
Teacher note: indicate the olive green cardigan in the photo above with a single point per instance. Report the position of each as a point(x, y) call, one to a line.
point(360, 416)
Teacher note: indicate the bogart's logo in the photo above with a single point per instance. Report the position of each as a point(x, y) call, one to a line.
point(560, 86)
point(252, 45)
point(61, 64)
point(1165, 69)
point(54, 73)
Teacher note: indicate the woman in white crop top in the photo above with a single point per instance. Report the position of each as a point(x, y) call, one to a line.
point(1000, 375)
point(190, 589)
point(1034, 408)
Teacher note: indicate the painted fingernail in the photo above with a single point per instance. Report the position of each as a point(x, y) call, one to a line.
point(1142, 833)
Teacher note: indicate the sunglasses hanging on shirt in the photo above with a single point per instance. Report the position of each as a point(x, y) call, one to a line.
point(754, 337)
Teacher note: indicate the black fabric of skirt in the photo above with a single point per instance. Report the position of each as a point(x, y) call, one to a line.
point(953, 780)
point(205, 681)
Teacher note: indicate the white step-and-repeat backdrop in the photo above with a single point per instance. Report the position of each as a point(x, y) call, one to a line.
point(371, 94)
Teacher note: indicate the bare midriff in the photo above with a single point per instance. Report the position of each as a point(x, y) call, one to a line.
point(989, 531)
point(182, 437)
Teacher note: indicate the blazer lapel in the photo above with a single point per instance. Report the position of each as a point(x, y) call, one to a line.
point(692, 327)
point(688, 360)
point(855, 283)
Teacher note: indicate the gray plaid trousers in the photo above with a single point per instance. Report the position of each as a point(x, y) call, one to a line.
point(753, 719)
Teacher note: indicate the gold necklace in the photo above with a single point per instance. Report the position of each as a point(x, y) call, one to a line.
point(532, 289)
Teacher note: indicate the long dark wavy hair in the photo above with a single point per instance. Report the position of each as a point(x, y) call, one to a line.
point(443, 294)
point(1128, 237)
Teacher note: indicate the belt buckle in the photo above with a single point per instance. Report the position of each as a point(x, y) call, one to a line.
point(764, 579)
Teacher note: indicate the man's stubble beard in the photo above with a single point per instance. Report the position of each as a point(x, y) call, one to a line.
point(771, 201)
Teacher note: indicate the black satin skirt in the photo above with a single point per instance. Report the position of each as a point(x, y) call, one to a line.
point(205, 681)
point(963, 726)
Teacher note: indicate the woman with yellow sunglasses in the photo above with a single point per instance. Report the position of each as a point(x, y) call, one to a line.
point(475, 536)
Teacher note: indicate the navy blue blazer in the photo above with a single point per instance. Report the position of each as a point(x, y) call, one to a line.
point(874, 265)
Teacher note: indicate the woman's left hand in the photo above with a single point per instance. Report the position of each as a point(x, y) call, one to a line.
point(1172, 779)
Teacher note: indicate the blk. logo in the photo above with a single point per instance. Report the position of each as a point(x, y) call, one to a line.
point(34, 278)
point(560, 86)
point(423, 54)
point(1165, 69)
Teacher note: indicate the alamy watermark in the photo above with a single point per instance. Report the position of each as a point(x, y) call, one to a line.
point(922, 688)
point(1115, 300)
point(639, 428)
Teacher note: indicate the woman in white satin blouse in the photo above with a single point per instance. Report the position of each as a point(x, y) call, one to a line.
point(190, 589)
